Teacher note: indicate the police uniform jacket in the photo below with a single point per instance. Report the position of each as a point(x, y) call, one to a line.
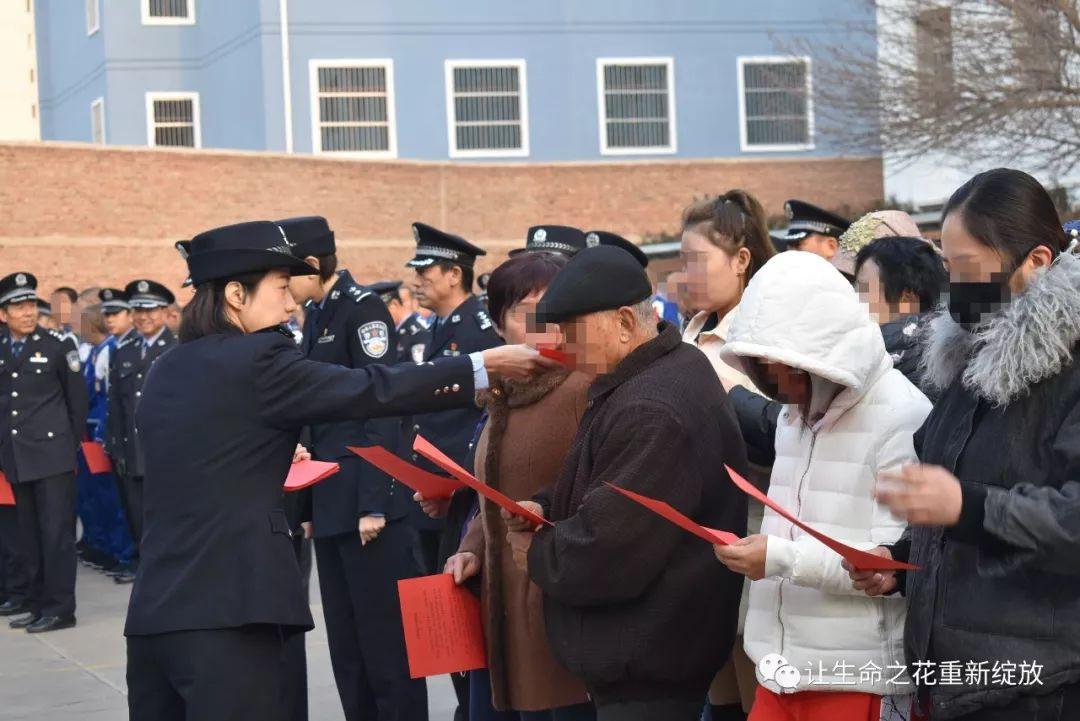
point(43, 405)
point(413, 340)
point(468, 329)
point(127, 374)
point(220, 418)
point(353, 329)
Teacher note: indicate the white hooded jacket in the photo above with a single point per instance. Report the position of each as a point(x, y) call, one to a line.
point(798, 310)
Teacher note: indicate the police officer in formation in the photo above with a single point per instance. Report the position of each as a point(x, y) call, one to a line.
point(43, 406)
point(363, 544)
point(411, 333)
point(218, 588)
point(130, 365)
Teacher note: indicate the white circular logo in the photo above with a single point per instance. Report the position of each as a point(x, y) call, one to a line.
point(107, 295)
point(20, 279)
point(143, 286)
point(540, 235)
point(592, 240)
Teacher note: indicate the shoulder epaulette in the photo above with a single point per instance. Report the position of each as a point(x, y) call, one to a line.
point(483, 319)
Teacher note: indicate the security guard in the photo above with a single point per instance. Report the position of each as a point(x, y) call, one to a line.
point(363, 545)
point(412, 334)
point(42, 419)
point(129, 367)
point(218, 588)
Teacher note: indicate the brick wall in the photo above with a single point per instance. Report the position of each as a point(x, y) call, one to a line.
point(83, 215)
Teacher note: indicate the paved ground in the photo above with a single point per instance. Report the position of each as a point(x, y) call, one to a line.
point(78, 674)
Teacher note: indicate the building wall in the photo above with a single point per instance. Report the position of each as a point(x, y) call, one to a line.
point(90, 215)
point(232, 57)
point(18, 72)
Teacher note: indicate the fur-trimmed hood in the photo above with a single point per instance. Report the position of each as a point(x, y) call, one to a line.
point(1030, 340)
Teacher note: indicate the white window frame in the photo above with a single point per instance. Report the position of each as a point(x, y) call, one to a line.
point(744, 60)
point(151, 96)
point(391, 117)
point(451, 120)
point(148, 20)
point(601, 106)
point(98, 106)
point(95, 7)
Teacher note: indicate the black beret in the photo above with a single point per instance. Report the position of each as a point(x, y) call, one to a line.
point(309, 235)
point(148, 294)
point(435, 246)
point(560, 239)
point(804, 219)
point(233, 250)
point(603, 237)
point(601, 278)
point(17, 287)
point(113, 300)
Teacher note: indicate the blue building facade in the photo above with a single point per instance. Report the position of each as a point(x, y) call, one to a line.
point(528, 80)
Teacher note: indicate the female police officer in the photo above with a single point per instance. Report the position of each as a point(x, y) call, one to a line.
point(218, 589)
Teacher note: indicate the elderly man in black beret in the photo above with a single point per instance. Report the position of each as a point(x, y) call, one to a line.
point(634, 606)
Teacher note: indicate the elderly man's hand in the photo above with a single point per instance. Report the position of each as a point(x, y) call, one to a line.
point(873, 583)
point(519, 524)
point(922, 494)
point(520, 543)
point(435, 508)
point(519, 362)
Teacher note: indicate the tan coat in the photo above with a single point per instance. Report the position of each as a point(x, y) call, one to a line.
point(521, 449)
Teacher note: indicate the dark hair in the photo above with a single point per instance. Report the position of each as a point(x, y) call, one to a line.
point(906, 264)
point(732, 221)
point(71, 293)
point(466, 273)
point(517, 278)
point(1010, 212)
point(327, 266)
point(205, 312)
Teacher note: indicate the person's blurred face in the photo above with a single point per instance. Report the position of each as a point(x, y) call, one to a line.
point(818, 244)
point(871, 291)
point(118, 323)
point(47, 321)
point(408, 300)
point(434, 287)
point(306, 287)
point(518, 324)
point(22, 318)
point(269, 304)
point(781, 381)
point(148, 321)
point(63, 309)
point(713, 278)
point(597, 342)
point(969, 261)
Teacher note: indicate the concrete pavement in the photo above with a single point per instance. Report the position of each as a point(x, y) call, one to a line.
point(79, 674)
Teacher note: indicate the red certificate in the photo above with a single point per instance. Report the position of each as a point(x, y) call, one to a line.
point(665, 510)
point(426, 483)
point(308, 473)
point(860, 560)
point(7, 496)
point(96, 460)
point(443, 633)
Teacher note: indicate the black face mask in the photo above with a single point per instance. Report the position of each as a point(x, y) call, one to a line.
point(972, 303)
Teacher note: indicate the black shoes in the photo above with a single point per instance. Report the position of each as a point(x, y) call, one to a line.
point(13, 608)
point(51, 623)
point(125, 577)
point(24, 621)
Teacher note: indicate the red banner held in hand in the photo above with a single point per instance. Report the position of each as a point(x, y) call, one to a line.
point(426, 483)
point(443, 633)
point(440, 459)
point(860, 560)
point(308, 473)
point(666, 511)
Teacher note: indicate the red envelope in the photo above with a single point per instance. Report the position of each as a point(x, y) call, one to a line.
point(665, 510)
point(7, 496)
point(433, 454)
point(308, 473)
point(426, 483)
point(860, 560)
point(96, 460)
point(557, 356)
point(443, 633)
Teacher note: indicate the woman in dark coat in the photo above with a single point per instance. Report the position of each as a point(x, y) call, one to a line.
point(994, 506)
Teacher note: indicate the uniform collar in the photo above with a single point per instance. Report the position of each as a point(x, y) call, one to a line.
point(343, 280)
point(152, 341)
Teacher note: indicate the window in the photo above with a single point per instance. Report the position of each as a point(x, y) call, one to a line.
point(934, 52)
point(97, 121)
point(352, 108)
point(487, 108)
point(93, 22)
point(637, 105)
point(168, 12)
point(775, 104)
point(172, 120)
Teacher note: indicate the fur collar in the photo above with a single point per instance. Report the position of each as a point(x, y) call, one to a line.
point(1030, 340)
point(515, 394)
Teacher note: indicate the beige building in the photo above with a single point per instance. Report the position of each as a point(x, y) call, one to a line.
point(19, 112)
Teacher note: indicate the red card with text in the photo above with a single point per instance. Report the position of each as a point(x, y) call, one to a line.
point(665, 510)
point(860, 560)
point(7, 496)
point(426, 483)
point(308, 473)
point(440, 459)
point(96, 460)
point(443, 633)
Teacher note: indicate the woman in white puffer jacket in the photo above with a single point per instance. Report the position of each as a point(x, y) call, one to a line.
point(803, 334)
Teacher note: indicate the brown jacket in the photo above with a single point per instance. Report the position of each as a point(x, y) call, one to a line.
point(521, 450)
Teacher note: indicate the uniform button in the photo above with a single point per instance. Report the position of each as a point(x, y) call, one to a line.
point(437, 391)
point(14, 413)
point(14, 375)
point(456, 388)
point(138, 375)
point(50, 434)
point(14, 394)
point(446, 389)
point(416, 428)
point(138, 393)
point(589, 404)
point(14, 431)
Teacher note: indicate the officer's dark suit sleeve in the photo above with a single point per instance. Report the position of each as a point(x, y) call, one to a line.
point(757, 417)
point(292, 391)
point(373, 494)
point(115, 414)
point(74, 385)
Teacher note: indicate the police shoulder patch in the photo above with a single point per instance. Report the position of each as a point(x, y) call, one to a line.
point(374, 338)
point(73, 361)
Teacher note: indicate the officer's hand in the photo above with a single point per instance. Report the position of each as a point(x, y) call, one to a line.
point(307, 528)
point(520, 543)
point(435, 508)
point(370, 528)
point(517, 523)
point(462, 566)
point(301, 454)
point(874, 583)
point(519, 362)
